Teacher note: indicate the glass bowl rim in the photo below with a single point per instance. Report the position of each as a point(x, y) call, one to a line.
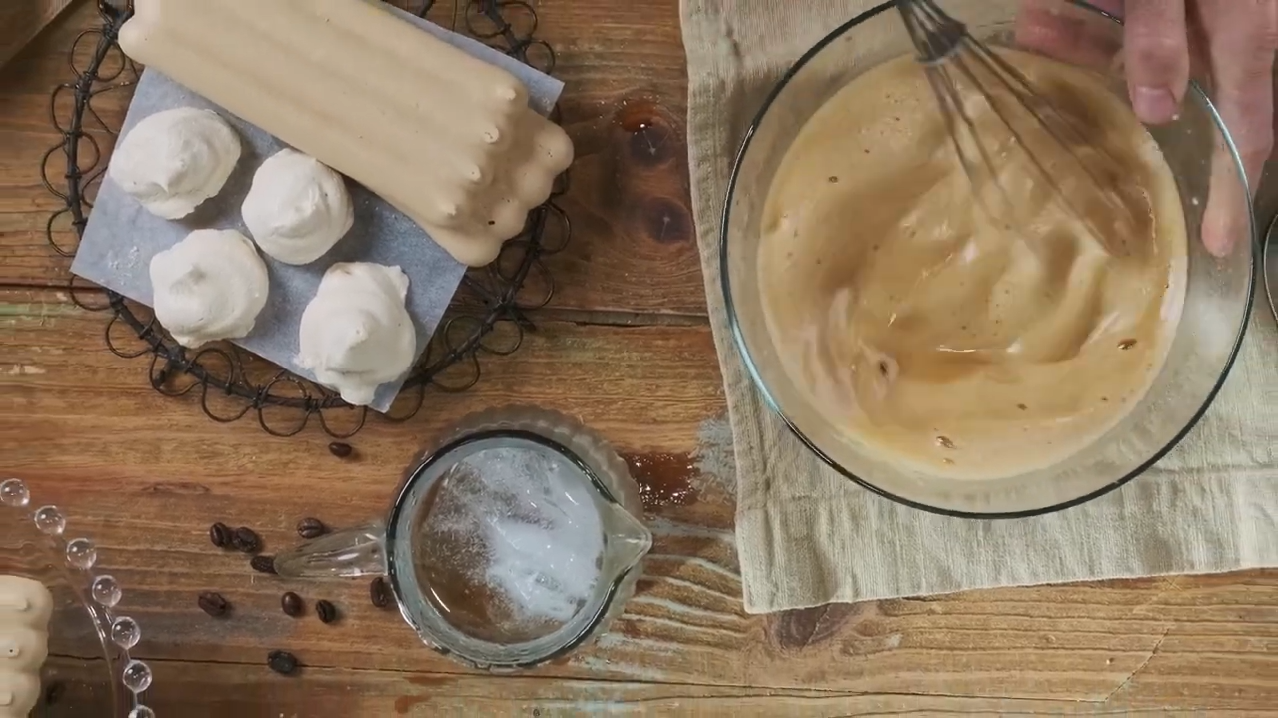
point(1269, 239)
point(738, 336)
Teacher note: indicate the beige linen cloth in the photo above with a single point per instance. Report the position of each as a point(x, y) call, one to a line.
point(807, 536)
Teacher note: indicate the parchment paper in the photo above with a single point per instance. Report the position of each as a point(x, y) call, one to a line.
point(121, 236)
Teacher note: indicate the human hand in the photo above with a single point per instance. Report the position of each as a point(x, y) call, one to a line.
point(1231, 43)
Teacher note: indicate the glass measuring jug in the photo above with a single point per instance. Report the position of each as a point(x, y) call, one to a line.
point(511, 542)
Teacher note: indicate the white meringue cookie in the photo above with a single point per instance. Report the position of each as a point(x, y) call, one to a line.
point(174, 160)
point(210, 286)
point(297, 208)
point(356, 333)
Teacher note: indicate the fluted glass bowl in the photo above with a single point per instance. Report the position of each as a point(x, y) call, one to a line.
point(1218, 296)
point(89, 671)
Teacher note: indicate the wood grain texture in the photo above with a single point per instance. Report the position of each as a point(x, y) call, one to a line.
point(633, 249)
point(145, 476)
point(22, 20)
point(248, 691)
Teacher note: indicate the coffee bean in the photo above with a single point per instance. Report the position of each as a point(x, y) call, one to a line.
point(54, 692)
point(214, 604)
point(309, 528)
point(263, 564)
point(292, 604)
point(282, 662)
point(379, 592)
point(245, 539)
point(326, 611)
point(220, 535)
point(341, 449)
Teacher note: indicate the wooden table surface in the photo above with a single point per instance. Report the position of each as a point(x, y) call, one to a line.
point(625, 345)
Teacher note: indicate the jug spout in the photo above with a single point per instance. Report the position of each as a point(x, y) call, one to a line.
point(628, 538)
point(358, 551)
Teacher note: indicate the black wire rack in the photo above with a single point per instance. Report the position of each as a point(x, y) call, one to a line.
point(489, 315)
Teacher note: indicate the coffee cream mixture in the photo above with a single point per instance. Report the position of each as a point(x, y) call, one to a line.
point(945, 340)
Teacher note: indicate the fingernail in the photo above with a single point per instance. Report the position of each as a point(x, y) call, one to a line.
point(1154, 105)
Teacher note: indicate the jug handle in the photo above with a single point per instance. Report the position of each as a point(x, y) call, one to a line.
point(359, 551)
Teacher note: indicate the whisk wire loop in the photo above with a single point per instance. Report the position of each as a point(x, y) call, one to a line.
point(952, 56)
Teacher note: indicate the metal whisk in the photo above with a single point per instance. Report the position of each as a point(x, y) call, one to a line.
point(953, 58)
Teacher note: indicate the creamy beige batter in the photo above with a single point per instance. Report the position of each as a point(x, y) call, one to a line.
point(943, 340)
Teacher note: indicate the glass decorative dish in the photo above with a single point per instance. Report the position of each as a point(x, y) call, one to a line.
point(1217, 305)
point(89, 671)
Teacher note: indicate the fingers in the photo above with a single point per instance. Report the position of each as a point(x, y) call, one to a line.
point(1157, 47)
point(1243, 43)
point(1068, 34)
point(1226, 222)
point(1243, 38)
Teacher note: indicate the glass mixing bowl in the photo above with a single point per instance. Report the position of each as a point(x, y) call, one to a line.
point(1218, 296)
point(88, 671)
